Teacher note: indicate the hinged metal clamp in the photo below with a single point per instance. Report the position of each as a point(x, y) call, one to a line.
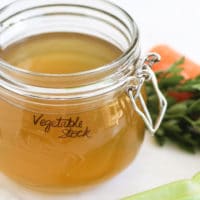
point(141, 75)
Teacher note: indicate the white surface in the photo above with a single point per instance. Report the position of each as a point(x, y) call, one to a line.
point(174, 22)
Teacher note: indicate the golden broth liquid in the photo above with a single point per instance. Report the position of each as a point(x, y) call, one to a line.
point(66, 150)
point(60, 53)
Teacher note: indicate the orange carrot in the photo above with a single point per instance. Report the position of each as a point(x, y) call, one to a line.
point(169, 56)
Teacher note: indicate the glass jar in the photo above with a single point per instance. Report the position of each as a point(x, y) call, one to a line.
point(66, 131)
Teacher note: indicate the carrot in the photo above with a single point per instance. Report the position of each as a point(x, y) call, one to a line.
point(169, 56)
point(180, 96)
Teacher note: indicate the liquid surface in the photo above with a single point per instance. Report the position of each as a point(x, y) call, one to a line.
point(48, 148)
point(59, 53)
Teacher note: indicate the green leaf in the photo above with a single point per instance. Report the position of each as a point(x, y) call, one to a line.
point(174, 68)
point(194, 107)
point(180, 108)
point(190, 85)
point(170, 82)
point(172, 126)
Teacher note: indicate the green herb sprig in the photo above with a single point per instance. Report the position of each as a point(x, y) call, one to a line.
point(181, 123)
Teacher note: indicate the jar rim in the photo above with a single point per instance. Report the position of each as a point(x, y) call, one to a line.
point(99, 81)
point(116, 62)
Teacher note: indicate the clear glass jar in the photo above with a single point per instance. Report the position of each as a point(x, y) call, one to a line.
point(66, 131)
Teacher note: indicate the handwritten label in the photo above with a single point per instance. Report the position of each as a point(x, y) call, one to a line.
point(70, 127)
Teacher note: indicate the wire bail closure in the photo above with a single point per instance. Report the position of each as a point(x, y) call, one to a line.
point(141, 75)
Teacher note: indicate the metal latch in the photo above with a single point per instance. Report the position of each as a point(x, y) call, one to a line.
point(142, 74)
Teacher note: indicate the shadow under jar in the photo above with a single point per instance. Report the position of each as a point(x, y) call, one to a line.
point(69, 80)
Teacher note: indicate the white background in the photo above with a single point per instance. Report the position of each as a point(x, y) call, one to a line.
point(173, 22)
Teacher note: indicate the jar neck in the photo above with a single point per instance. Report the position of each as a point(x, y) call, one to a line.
point(118, 28)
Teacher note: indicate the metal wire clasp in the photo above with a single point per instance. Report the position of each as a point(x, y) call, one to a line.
point(141, 75)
